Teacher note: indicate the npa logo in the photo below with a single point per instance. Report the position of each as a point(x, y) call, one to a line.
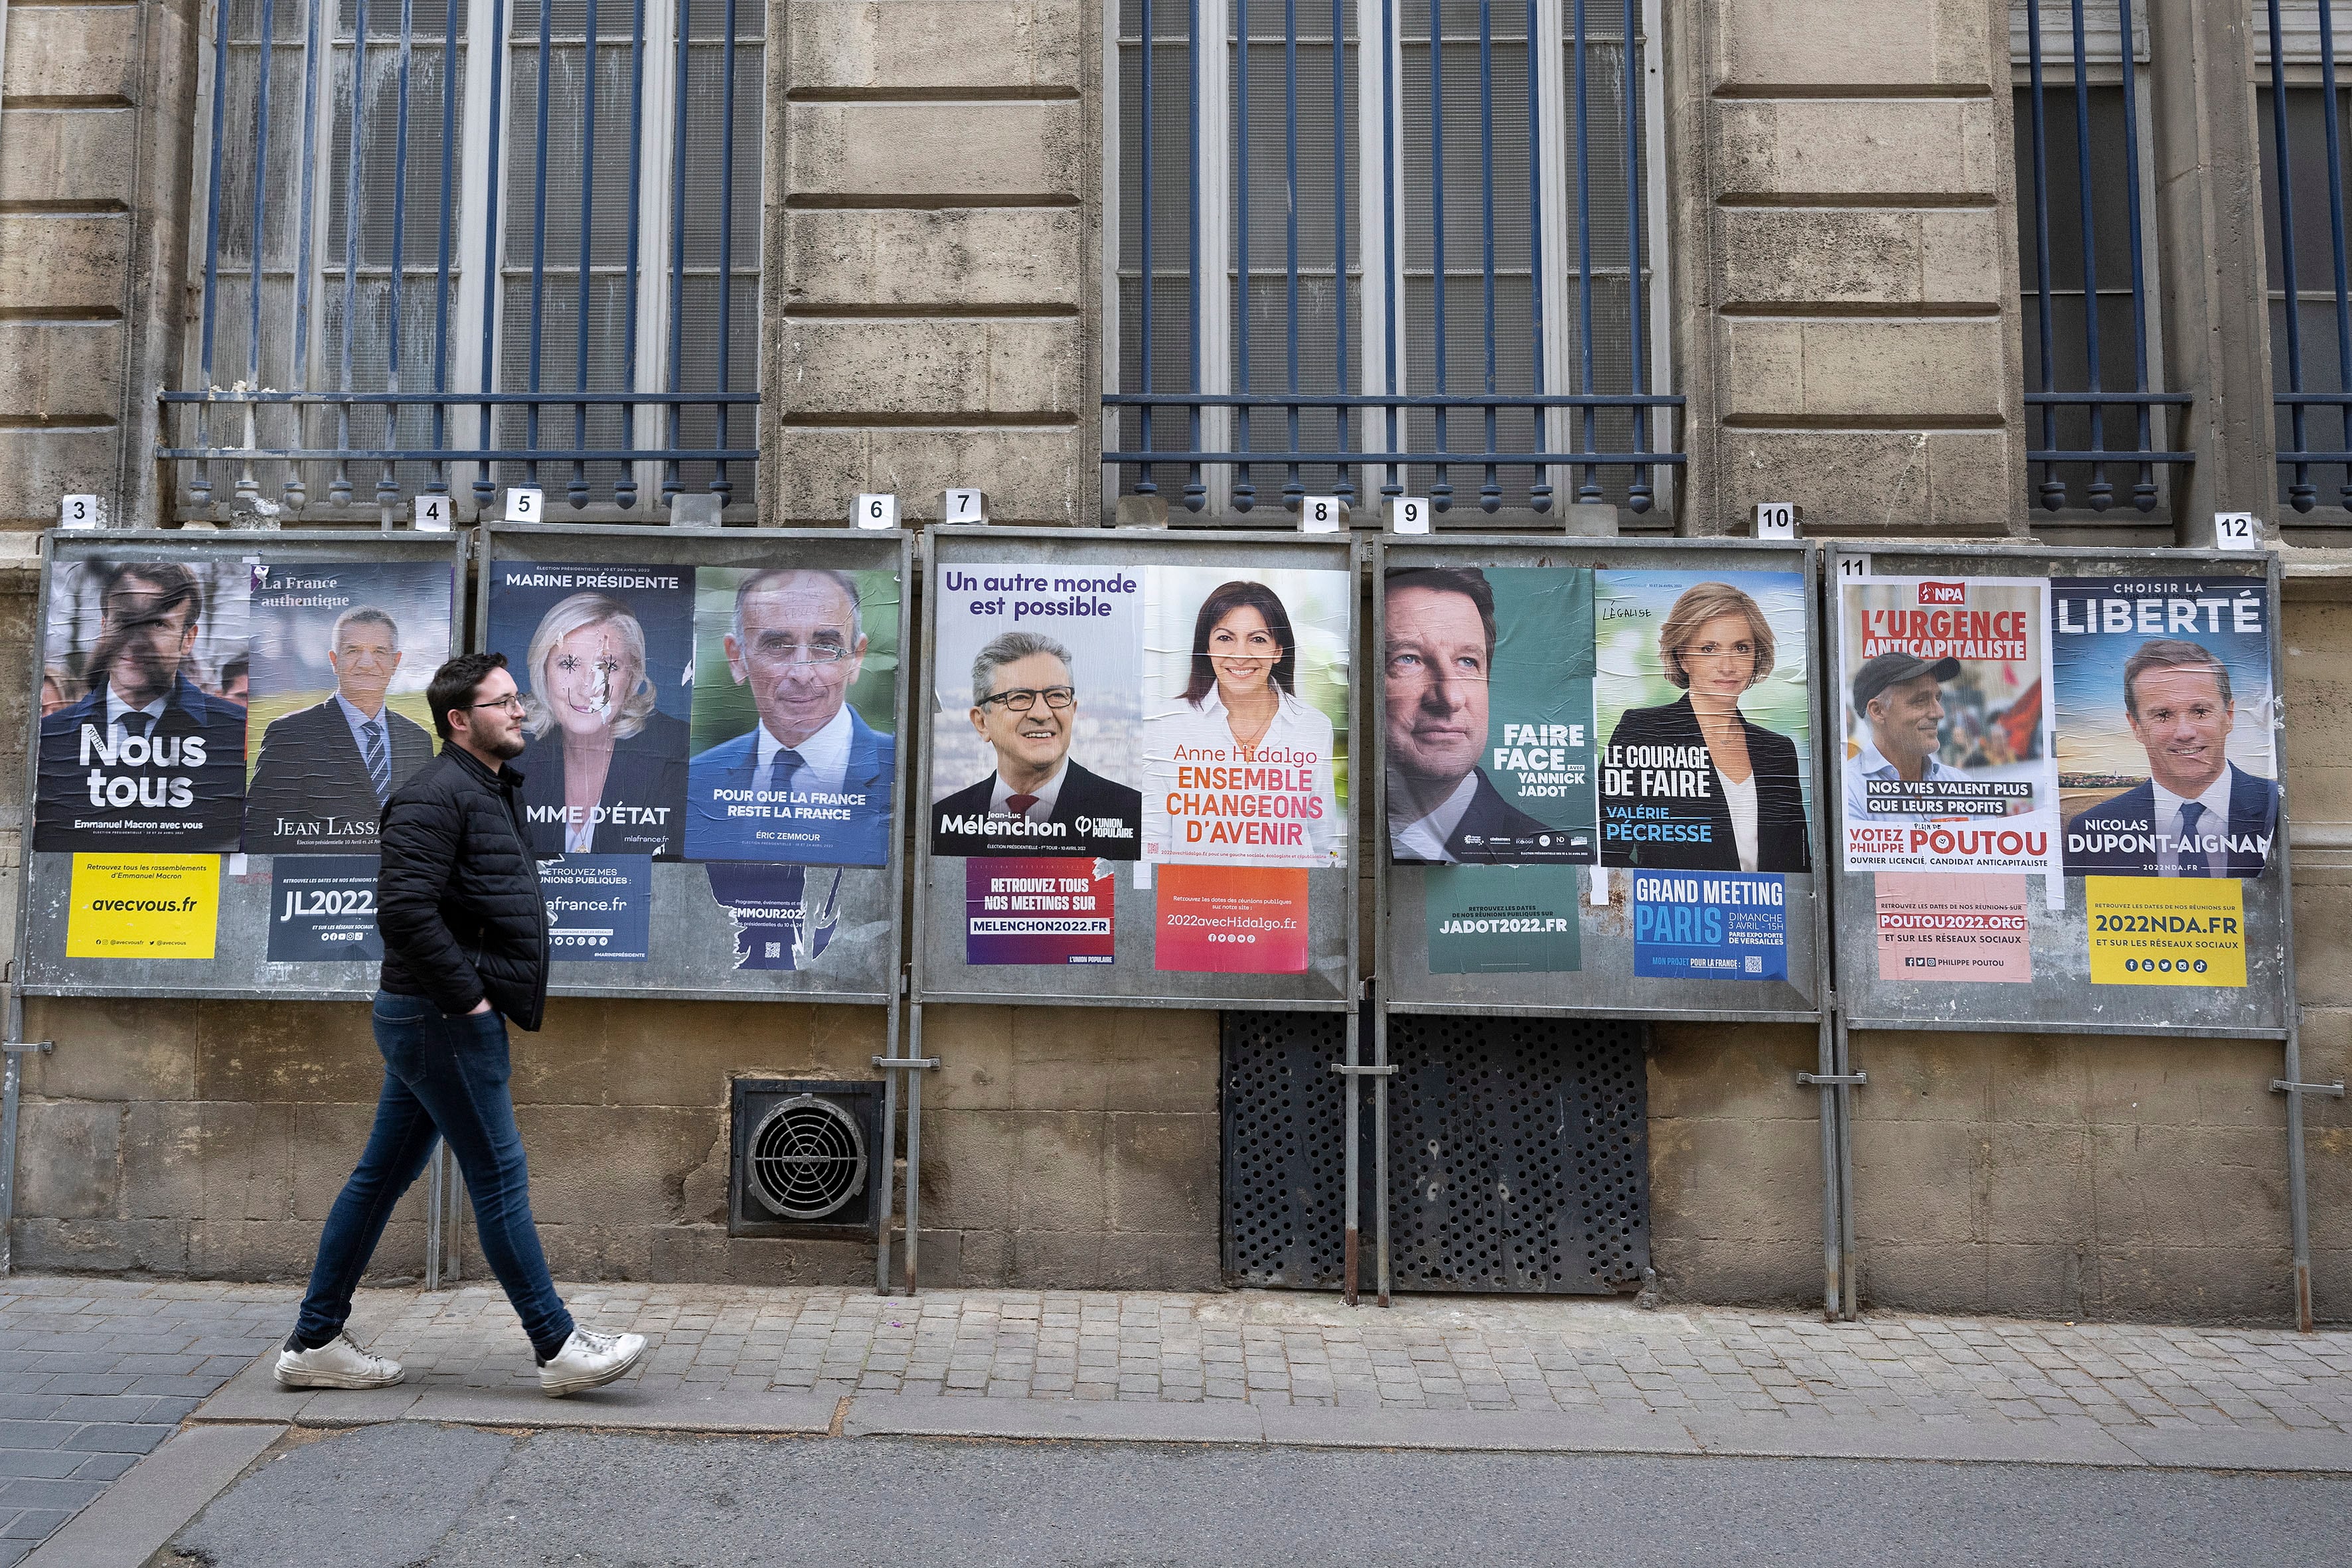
point(1943, 593)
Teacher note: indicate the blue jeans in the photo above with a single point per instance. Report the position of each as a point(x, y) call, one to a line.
point(447, 1076)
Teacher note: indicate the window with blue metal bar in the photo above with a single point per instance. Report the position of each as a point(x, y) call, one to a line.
point(2100, 426)
point(381, 318)
point(1386, 246)
point(2303, 103)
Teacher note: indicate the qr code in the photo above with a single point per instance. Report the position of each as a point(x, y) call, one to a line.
point(776, 949)
point(1755, 964)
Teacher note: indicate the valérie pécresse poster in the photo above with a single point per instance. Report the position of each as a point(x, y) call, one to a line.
point(1947, 763)
point(144, 670)
point(795, 743)
point(603, 656)
point(340, 654)
point(1487, 715)
point(2167, 760)
point(1702, 706)
point(1037, 745)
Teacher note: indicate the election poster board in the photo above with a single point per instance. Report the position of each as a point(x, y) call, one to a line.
point(1135, 769)
point(2060, 801)
point(221, 716)
point(1596, 777)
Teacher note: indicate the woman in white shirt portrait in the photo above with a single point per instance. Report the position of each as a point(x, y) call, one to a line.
point(603, 768)
point(1715, 644)
point(1240, 707)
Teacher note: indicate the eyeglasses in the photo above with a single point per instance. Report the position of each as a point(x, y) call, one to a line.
point(511, 702)
point(1022, 699)
point(791, 653)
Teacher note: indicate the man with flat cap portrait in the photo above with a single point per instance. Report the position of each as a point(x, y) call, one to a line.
point(1899, 699)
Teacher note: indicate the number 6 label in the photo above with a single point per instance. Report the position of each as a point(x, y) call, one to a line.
point(877, 511)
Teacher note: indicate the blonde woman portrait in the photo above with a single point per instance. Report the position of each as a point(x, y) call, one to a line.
point(603, 768)
point(1716, 643)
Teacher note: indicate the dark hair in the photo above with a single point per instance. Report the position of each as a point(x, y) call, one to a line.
point(2173, 653)
point(234, 668)
point(172, 584)
point(1229, 597)
point(1466, 581)
point(455, 683)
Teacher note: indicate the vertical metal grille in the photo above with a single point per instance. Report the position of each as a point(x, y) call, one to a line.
point(1518, 1149)
point(2094, 397)
point(453, 240)
point(2303, 107)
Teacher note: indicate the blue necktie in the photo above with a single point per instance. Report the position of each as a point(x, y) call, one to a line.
point(135, 722)
point(379, 761)
point(2191, 854)
point(777, 776)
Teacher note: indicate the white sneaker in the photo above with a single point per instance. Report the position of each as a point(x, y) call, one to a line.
point(589, 1359)
point(338, 1363)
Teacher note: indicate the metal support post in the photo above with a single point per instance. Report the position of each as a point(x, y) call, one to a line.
point(1849, 1273)
point(915, 1065)
point(11, 1092)
point(1840, 1294)
point(2298, 1198)
point(1382, 1072)
point(888, 1199)
point(445, 1217)
point(1349, 1071)
point(433, 1208)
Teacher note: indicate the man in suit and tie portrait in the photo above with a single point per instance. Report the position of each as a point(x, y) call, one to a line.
point(1024, 704)
point(326, 771)
point(810, 783)
point(1440, 653)
point(145, 758)
point(2199, 814)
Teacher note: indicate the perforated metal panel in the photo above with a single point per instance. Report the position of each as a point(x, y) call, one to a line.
point(1518, 1153)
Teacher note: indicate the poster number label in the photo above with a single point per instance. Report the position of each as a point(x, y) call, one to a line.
point(1409, 514)
point(80, 511)
point(965, 506)
point(433, 513)
point(523, 505)
point(1319, 514)
point(1852, 568)
point(879, 511)
point(1776, 520)
point(2236, 531)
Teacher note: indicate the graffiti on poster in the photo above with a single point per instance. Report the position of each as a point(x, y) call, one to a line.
point(1933, 926)
point(1710, 926)
point(144, 682)
point(1231, 920)
point(794, 722)
point(2191, 931)
point(1487, 715)
point(1947, 761)
point(322, 909)
point(1503, 920)
point(340, 654)
point(603, 656)
point(1700, 691)
point(784, 915)
point(599, 907)
point(143, 906)
point(1038, 909)
point(1038, 745)
point(2166, 765)
point(1245, 716)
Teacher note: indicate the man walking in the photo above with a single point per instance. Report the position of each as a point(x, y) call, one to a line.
point(464, 946)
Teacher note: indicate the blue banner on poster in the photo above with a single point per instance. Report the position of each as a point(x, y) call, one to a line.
point(322, 909)
point(599, 906)
point(784, 915)
point(1729, 925)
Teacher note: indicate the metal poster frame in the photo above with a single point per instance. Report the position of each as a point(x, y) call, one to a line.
point(245, 899)
point(1854, 958)
point(1334, 899)
point(1396, 990)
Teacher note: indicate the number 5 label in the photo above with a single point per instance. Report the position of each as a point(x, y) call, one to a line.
point(522, 505)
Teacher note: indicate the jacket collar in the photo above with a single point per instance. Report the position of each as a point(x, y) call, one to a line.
point(506, 777)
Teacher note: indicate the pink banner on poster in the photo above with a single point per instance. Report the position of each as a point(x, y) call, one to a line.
point(1941, 926)
point(1038, 909)
point(1232, 919)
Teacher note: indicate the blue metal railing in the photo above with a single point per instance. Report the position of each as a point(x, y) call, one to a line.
point(2302, 387)
point(383, 388)
point(2088, 413)
point(1372, 370)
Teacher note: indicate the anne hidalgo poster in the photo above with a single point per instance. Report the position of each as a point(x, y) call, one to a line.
point(341, 654)
point(1244, 757)
point(143, 722)
point(794, 743)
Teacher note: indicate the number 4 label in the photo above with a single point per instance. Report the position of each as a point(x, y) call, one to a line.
point(2237, 531)
point(433, 513)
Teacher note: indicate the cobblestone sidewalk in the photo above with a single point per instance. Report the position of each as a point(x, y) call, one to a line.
point(1424, 1353)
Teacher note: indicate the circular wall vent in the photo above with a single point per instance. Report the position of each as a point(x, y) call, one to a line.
point(808, 1158)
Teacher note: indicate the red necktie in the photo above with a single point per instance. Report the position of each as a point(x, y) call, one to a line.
point(1019, 804)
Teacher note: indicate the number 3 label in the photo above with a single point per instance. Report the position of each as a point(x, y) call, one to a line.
point(80, 511)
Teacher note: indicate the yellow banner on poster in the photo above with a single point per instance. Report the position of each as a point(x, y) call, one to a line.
point(2167, 930)
point(143, 906)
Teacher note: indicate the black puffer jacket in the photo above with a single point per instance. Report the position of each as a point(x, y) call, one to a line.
point(458, 898)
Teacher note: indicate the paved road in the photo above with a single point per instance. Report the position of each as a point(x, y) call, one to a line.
point(393, 1496)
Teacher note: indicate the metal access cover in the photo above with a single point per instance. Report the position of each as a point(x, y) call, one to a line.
point(1518, 1153)
point(807, 1159)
